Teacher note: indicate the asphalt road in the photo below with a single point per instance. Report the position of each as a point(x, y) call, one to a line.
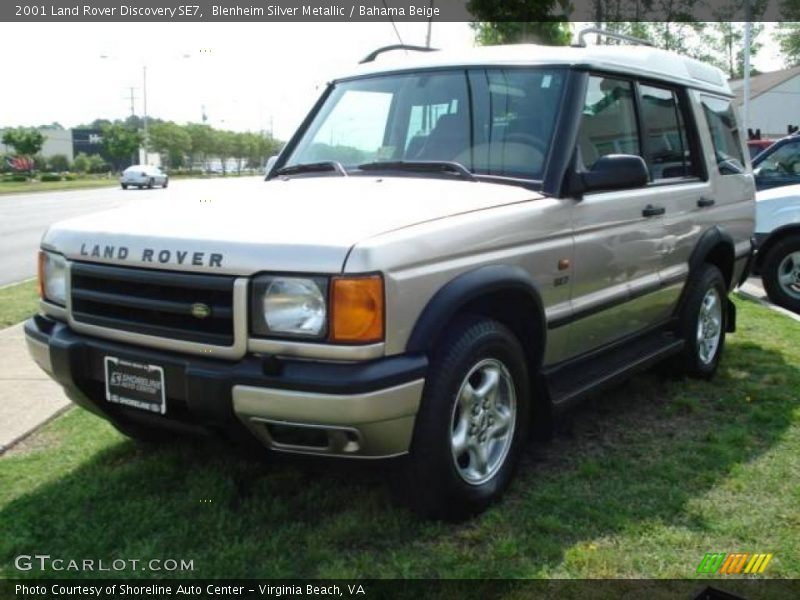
point(25, 217)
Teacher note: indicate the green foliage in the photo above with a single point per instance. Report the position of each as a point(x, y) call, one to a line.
point(15, 178)
point(171, 141)
point(120, 141)
point(58, 162)
point(39, 163)
point(788, 36)
point(50, 177)
point(97, 164)
point(81, 163)
point(520, 21)
point(25, 141)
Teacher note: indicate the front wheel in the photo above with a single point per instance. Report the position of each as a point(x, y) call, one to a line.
point(472, 423)
point(124, 186)
point(703, 322)
point(781, 273)
point(166, 182)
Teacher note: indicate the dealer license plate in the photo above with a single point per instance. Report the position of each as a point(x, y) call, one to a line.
point(134, 384)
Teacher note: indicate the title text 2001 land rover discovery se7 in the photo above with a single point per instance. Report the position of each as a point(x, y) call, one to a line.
point(448, 249)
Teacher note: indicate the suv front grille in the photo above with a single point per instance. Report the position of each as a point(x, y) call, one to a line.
point(157, 303)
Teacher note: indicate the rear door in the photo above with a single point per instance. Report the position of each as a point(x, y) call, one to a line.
point(618, 234)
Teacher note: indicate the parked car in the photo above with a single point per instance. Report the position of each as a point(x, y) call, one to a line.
point(454, 248)
point(779, 164)
point(778, 240)
point(756, 147)
point(142, 176)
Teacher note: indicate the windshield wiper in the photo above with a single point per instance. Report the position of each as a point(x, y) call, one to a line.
point(420, 166)
point(317, 167)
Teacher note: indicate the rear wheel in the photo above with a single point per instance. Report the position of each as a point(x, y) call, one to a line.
point(781, 273)
point(703, 322)
point(166, 182)
point(472, 423)
point(124, 186)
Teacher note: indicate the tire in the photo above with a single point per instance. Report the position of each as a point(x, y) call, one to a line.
point(166, 182)
point(436, 479)
point(124, 186)
point(702, 323)
point(781, 273)
point(151, 183)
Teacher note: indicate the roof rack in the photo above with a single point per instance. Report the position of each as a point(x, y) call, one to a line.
point(612, 34)
point(374, 54)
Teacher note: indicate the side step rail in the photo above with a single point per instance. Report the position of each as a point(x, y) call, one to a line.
point(577, 379)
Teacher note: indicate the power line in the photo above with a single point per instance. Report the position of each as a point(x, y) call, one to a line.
point(391, 20)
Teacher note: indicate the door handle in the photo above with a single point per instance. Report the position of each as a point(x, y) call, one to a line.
point(706, 202)
point(653, 211)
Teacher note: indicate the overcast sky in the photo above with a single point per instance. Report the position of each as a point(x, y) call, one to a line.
point(247, 75)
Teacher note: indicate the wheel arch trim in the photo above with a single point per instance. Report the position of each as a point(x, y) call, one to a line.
point(468, 287)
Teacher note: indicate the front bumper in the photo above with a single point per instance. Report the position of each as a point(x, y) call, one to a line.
point(364, 409)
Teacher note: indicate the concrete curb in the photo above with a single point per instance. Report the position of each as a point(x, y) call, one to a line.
point(28, 397)
point(755, 293)
point(22, 437)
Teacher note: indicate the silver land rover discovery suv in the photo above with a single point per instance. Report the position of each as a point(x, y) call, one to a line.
point(450, 249)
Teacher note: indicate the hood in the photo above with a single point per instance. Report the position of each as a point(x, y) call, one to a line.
point(302, 224)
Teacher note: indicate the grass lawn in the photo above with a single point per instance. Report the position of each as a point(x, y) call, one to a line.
point(13, 187)
point(18, 302)
point(640, 482)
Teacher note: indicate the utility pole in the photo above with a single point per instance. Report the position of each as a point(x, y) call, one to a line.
point(747, 32)
point(132, 98)
point(144, 103)
point(430, 23)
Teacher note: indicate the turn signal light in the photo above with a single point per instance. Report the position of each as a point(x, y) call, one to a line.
point(357, 309)
point(40, 273)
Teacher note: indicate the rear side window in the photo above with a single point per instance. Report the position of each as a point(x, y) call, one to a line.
point(608, 124)
point(724, 135)
point(668, 150)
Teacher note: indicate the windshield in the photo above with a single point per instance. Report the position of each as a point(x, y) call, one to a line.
point(492, 121)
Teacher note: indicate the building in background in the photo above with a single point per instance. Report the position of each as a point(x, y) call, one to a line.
point(774, 101)
point(56, 141)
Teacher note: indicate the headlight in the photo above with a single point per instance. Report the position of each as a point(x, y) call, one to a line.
point(53, 278)
point(290, 306)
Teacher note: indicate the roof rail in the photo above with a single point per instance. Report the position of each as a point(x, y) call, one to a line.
point(612, 34)
point(374, 54)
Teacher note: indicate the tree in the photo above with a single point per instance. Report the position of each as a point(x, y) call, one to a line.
point(725, 39)
point(81, 163)
point(26, 142)
point(58, 162)
point(516, 21)
point(788, 36)
point(171, 141)
point(223, 147)
point(202, 145)
point(121, 142)
point(97, 164)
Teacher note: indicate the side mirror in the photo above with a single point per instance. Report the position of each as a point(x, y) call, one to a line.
point(616, 172)
point(270, 163)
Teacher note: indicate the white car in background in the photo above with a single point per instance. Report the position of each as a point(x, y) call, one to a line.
point(778, 240)
point(143, 176)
